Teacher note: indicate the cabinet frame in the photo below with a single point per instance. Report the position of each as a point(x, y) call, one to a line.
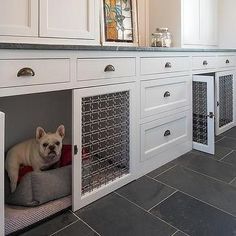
point(79, 200)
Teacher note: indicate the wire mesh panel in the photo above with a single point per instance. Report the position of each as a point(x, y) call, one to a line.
point(200, 112)
point(225, 100)
point(105, 139)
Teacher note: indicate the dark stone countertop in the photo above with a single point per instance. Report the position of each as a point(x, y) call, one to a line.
point(105, 48)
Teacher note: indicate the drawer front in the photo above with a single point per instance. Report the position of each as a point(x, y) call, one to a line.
point(164, 65)
point(161, 135)
point(203, 63)
point(165, 95)
point(226, 61)
point(105, 68)
point(39, 71)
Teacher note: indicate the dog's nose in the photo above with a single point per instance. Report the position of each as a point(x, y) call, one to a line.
point(51, 147)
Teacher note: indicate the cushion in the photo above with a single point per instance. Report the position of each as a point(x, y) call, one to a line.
point(36, 188)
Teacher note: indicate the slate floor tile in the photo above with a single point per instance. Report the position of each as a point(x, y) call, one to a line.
point(113, 215)
point(214, 192)
point(216, 169)
point(227, 142)
point(52, 225)
point(179, 233)
point(161, 169)
point(78, 228)
point(233, 183)
point(194, 217)
point(218, 137)
point(220, 152)
point(231, 158)
point(145, 192)
point(230, 133)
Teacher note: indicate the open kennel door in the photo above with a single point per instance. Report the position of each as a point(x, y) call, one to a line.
point(203, 113)
point(2, 146)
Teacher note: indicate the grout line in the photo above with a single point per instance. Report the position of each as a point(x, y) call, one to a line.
point(85, 223)
point(220, 139)
point(232, 180)
point(146, 211)
point(175, 233)
point(165, 171)
point(162, 200)
point(209, 204)
point(64, 228)
point(221, 159)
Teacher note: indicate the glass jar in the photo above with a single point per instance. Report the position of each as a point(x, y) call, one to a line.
point(157, 39)
point(161, 38)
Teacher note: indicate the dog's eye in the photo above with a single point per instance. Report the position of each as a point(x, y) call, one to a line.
point(45, 144)
point(57, 143)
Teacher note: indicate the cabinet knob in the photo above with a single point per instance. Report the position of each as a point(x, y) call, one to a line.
point(205, 63)
point(109, 68)
point(168, 65)
point(167, 133)
point(227, 61)
point(166, 94)
point(25, 72)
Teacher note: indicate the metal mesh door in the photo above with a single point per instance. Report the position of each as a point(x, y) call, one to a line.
point(225, 100)
point(105, 139)
point(200, 120)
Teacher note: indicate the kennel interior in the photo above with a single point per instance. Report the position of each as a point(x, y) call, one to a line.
point(23, 114)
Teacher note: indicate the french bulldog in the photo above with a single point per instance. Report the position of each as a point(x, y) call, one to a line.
point(39, 153)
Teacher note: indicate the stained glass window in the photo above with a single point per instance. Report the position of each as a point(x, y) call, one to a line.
point(118, 20)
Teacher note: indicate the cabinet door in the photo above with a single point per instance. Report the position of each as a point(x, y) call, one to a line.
point(69, 19)
point(203, 114)
point(2, 134)
point(104, 136)
point(191, 22)
point(224, 83)
point(208, 22)
point(19, 18)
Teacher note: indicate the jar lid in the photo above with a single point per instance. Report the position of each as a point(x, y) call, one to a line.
point(162, 29)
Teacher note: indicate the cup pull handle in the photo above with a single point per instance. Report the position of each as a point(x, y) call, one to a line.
point(166, 94)
point(227, 61)
point(205, 63)
point(168, 65)
point(26, 71)
point(109, 68)
point(167, 133)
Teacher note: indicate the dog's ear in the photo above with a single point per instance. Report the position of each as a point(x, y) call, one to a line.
point(40, 133)
point(61, 131)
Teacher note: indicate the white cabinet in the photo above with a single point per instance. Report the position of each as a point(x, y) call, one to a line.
point(73, 19)
point(19, 18)
point(2, 132)
point(193, 23)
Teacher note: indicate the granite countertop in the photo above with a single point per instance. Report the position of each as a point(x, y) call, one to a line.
point(105, 48)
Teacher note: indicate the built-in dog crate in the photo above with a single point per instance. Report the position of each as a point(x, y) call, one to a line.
point(213, 108)
point(99, 123)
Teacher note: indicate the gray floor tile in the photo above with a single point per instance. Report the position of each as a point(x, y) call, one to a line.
point(179, 233)
point(194, 217)
point(231, 158)
point(216, 193)
point(51, 226)
point(231, 133)
point(161, 169)
point(233, 183)
point(216, 169)
point(78, 228)
point(227, 142)
point(145, 192)
point(217, 138)
point(220, 152)
point(113, 215)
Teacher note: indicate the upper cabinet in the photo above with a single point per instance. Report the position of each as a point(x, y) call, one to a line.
point(68, 19)
point(50, 21)
point(19, 18)
point(193, 23)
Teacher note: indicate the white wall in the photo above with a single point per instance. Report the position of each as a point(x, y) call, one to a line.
point(227, 23)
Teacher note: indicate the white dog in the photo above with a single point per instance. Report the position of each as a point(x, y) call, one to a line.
point(39, 153)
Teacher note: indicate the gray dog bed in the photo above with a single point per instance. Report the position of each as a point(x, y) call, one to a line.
point(37, 188)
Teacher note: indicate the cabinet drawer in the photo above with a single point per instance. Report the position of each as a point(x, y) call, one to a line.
point(226, 61)
point(202, 63)
point(164, 65)
point(40, 71)
point(161, 135)
point(164, 95)
point(105, 68)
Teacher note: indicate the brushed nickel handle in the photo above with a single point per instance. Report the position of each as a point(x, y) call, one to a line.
point(168, 65)
point(166, 94)
point(25, 72)
point(167, 133)
point(205, 63)
point(227, 61)
point(109, 68)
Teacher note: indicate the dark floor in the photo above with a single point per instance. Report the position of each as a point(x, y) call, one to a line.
point(193, 195)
